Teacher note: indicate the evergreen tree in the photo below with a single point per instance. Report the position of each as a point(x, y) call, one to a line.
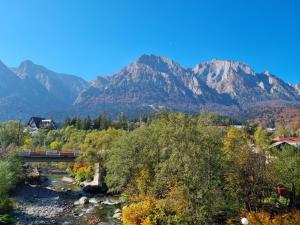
point(67, 121)
point(73, 121)
point(122, 123)
point(78, 123)
point(103, 122)
point(96, 124)
point(86, 124)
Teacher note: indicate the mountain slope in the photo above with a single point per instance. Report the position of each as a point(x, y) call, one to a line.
point(34, 90)
point(63, 87)
point(151, 80)
point(149, 84)
point(242, 83)
point(297, 87)
point(218, 85)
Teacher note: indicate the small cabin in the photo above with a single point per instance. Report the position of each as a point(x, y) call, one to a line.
point(36, 123)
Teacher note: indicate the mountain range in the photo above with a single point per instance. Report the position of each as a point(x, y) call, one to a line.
point(149, 84)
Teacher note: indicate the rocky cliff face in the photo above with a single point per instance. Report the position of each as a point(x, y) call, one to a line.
point(34, 90)
point(150, 83)
point(297, 87)
point(242, 83)
point(157, 81)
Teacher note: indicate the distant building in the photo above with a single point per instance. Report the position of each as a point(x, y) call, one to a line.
point(280, 142)
point(271, 129)
point(36, 123)
point(239, 126)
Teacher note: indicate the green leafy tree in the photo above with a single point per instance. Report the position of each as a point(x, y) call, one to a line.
point(246, 182)
point(122, 123)
point(11, 132)
point(284, 169)
point(262, 139)
point(56, 145)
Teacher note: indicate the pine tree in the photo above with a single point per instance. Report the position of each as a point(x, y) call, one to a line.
point(78, 123)
point(96, 124)
point(102, 122)
point(86, 124)
point(67, 121)
point(122, 123)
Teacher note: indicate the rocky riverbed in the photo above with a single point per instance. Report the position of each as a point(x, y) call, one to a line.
point(58, 201)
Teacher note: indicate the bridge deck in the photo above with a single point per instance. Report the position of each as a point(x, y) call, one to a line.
point(48, 156)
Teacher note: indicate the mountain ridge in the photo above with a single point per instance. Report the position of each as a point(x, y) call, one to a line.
point(149, 83)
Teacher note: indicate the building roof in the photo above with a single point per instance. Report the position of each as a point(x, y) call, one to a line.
point(36, 120)
point(39, 121)
point(287, 139)
point(293, 141)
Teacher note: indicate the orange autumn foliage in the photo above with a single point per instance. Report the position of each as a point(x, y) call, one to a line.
point(265, 218)
point(145, 209)
point(138, 213)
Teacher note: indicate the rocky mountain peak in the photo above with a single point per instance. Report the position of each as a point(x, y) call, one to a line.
point(158, 63)
point(100, 82)
point(267, 73)
point(223, 67)
point(148, 82)
point(28, 69)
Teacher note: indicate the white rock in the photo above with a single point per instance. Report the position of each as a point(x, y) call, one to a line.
point(90, 210)
point(110, 202)
point(118, 211)
point(93, 201)
point(67, 179)
point(82, 201)
point(117, 216)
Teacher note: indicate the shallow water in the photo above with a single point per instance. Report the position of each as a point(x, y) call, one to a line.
point(36, 204)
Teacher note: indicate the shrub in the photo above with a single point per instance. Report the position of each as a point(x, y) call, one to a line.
point(84, 173)
point(265, 218)
point(5, 205)
point(138, 213)
point(5, 211)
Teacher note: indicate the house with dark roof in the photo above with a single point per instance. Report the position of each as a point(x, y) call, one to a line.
point(280, 142)
point(36, 123)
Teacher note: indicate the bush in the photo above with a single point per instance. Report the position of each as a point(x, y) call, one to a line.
point(9, 174)
point(138, 213)
point(265, 218)
point(5, 205)
point(5, 211)
point(7, 219)
point(84, 173)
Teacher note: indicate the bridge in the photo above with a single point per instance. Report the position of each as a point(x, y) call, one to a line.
point(48, 156)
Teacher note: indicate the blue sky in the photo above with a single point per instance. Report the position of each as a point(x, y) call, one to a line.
point(89, 38)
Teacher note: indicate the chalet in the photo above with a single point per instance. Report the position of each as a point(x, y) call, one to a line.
point(280, 142)
point(36, 123)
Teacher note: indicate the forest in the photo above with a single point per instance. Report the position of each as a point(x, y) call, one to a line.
point(171, 168)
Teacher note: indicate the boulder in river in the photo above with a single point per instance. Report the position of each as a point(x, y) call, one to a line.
point(93, 201)
point(117, 216)
point(67, 179)
point(82, 201)
point(110, 202)
point(118, 211)
point(32, 175)
point(90, 210)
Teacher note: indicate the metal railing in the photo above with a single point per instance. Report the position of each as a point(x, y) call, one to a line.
point(66, 154)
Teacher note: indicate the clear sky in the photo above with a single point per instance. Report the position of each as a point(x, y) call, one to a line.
point(99, 37)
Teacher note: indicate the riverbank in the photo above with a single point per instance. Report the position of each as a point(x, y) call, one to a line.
point(52, 202)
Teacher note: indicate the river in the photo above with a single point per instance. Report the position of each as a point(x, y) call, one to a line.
point(52, 202)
